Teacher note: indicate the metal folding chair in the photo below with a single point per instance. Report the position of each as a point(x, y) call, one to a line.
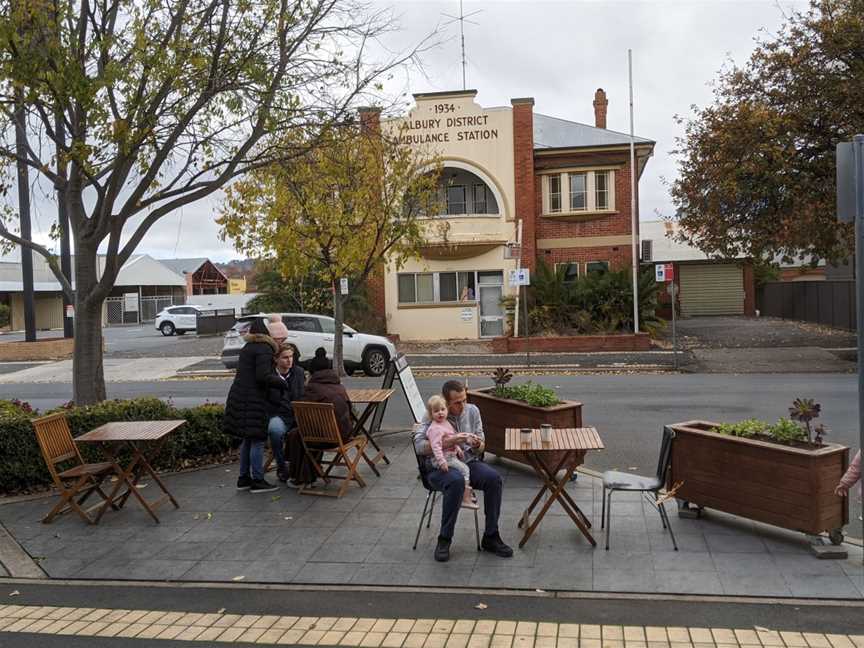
point(650, 487)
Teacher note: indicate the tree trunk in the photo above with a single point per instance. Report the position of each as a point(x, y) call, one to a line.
point(88, 375)
point(338, 335)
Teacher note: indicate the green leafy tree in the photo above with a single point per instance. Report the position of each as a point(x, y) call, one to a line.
point(134, 109)
point(756, 169)
point(345, 208)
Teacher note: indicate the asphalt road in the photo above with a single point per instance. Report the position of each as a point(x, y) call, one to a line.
point(629, 410)
point(825, 618)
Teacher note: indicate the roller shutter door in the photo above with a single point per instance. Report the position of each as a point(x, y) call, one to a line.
point(711, 289)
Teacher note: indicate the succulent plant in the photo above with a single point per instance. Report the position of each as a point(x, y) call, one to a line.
point(501, 376)
point(805, 410)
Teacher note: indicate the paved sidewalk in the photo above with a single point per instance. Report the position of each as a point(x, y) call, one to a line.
point(116, 370)
point(365, 538)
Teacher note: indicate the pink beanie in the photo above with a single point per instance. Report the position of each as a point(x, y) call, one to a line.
point(277, 329)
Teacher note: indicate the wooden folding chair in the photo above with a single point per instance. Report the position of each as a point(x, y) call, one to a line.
point(319, 432)
point(80, 481)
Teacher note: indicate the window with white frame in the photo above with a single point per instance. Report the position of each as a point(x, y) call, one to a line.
point(578, 192)
point(601, 190)
point(569, 271)
point(479, 199)
point(597, 267)
point(436, 287)
point(574, 192)
point(554, 193)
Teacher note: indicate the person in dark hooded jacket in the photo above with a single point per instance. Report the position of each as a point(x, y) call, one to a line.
point(247, 409)
point(324, 386)
point(281, 404)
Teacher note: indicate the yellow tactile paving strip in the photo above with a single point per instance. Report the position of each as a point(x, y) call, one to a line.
point(392, 633)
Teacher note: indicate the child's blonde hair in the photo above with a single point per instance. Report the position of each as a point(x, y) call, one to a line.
point(434, 401)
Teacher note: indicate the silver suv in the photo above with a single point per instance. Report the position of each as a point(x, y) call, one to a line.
point(371, 353)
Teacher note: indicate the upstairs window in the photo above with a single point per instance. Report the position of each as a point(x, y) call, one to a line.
point(583, 192)
point(555, 193)
point(578, 191)
point(456, 202)
point(601, 190)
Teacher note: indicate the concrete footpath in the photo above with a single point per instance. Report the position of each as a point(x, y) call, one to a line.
point(365, 539)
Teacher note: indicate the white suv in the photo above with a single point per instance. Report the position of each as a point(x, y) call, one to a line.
point(308, 332)
point(177, 319)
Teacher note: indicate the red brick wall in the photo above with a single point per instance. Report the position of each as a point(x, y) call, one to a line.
point(523, 154)
point(577, 343)
point(619, 259)
point(617, 224)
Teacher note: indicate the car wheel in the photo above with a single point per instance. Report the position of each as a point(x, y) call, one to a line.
point(349, 371)
point(167, 329)
point(375, 362)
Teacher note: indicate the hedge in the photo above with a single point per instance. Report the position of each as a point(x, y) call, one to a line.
point(22, 468)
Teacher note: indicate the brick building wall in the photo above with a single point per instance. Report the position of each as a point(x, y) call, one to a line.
point(564, 227)
point(370, 121)
point(523, 149)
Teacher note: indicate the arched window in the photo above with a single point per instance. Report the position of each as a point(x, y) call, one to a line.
point(462, 193)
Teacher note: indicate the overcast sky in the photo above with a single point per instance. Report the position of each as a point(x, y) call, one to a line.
point(558, 52)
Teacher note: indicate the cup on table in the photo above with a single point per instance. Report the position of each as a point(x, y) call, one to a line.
point(525, 434)
point(546, 433)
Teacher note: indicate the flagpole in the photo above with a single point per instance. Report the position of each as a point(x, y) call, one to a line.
point(634, 230)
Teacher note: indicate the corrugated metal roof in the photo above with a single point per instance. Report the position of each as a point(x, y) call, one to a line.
point(555, 133)
point(139, 270)
point(184, 266)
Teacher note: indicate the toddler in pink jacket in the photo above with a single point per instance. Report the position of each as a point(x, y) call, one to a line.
point(850, 478)
point(446, 458)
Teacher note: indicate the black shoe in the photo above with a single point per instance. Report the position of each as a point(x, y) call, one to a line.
point(494, 544)
point(262, 486)
point(442, 550)
point(244, 482)
point(282, 475)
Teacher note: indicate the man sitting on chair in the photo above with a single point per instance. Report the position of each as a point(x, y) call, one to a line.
point(465, 419)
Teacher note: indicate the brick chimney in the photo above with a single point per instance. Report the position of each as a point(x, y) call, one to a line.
point(370, 119)
point(523, 158)
point(600, 105)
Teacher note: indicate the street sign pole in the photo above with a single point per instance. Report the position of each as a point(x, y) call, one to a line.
point(672, 292)
point(858, 144)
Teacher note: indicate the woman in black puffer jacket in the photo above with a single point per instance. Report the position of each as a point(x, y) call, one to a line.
point(247, 408)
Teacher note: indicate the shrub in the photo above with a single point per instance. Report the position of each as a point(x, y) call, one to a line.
point(5, 315)
point(530, 392)
point(594, 303)
point(200, 440)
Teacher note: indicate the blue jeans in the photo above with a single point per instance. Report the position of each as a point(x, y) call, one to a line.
point(252, 458)
point(452, 486)
point(276, 430)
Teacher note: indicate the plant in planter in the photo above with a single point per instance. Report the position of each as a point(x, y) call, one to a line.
point(782, 474)
point(528, 404)
point(501, 376)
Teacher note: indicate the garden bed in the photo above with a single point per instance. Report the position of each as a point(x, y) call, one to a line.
point(501, 413)
point(46, 349)
point(789, 486)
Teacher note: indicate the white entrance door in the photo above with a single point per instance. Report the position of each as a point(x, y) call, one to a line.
point(491, 289)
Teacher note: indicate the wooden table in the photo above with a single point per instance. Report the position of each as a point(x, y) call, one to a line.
point(569, 446)
point(367, 423)
point(142, 438)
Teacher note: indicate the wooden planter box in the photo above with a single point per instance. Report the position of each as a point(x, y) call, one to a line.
point(788, 487)
point(501, 413)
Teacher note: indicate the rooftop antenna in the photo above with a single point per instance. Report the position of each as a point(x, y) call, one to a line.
point(462, 19)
